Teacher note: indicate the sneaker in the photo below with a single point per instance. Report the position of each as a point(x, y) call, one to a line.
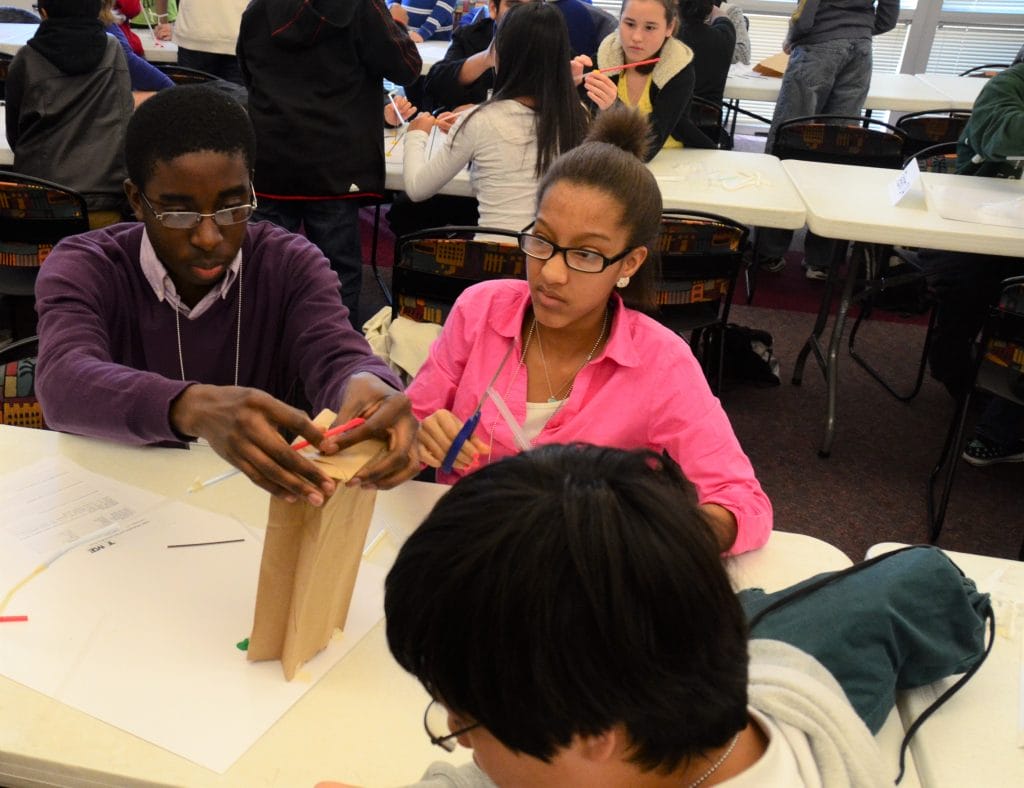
point(772, 264)
point(980, 453)
point(817, 273)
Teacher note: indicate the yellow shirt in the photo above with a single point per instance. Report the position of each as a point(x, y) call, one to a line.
point(644, 105)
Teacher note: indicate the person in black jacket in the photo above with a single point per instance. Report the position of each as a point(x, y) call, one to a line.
point(313, 69)
point(708, 32)
point(466, 72)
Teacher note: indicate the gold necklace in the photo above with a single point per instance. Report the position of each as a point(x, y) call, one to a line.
point(571, 381)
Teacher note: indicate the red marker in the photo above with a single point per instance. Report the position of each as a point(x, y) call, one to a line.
point(12, 619)
point(348, 425)
point(613, 69)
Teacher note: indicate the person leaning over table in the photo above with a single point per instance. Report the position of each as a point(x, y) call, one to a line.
point(465, 75)
point(144, 75)
point(661, 91)
point(568, 614)
point(710, 35)
point(571, 357)
point(194, 323)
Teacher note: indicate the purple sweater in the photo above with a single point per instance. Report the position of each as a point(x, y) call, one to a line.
point(108, 352)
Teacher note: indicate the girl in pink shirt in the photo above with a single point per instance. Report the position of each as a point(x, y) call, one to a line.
point(570, 360)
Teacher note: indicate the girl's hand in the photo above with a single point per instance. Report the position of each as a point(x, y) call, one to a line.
point(577, 66)
point(446, 120)
point(404, 106)
point(437, 431)
point(422, 122)
point(416, 37)
point(600, 89)
point(162, 31)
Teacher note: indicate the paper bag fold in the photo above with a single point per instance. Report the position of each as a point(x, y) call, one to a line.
point(774, 66)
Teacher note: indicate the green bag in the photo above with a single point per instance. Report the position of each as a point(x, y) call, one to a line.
point(148, 16)
point(897, 621)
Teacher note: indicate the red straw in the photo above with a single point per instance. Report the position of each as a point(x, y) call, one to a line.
point(12, 619)
point(348, 425)
point(613, 69)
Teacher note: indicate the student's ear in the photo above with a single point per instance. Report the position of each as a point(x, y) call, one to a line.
point(131, 191)
point(633, 261)
point(600, 748)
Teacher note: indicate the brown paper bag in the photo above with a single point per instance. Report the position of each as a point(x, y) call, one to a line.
point(774, 66)
point(310, 560)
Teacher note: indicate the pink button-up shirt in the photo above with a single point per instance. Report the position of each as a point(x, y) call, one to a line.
point(644, 390)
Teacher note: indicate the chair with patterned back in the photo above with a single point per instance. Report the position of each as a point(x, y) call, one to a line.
point(5, 64)
point(985, 71)
point(433, 266)
point(180, 75)
point(839, 139)
point(701, 255)
point(18, 404)
point(34, 215)
point(936, 158)
point(998, 370)
point(931, 127)
point(707, 116)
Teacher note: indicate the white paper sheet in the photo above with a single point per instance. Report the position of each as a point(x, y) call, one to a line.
point(143, 636)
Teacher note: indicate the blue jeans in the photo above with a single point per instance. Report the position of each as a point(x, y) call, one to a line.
point(223, 66)
point(333, 225)
point(829, 78)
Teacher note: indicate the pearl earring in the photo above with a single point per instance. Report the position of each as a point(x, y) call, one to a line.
point(622, 282)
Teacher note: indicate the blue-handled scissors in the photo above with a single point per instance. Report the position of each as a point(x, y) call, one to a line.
point(467, 429)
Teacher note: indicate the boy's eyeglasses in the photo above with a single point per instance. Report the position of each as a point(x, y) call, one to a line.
point(186, 220)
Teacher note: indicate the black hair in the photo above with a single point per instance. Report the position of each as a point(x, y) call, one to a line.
point(532, 47)
point(694, 11)
point(567, 590)
point(185, 119)
point(56, 9)
point(611, 159)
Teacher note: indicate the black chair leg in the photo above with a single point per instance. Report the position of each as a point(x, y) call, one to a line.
point(948, 461)
point(865, 313)
point(750, 272)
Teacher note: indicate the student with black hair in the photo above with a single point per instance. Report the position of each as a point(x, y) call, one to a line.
point(568, 613)
point(314, 73)
point(69, 98)
point(710, 35)
point(571, 358)
point(194, 323)
point(510, 140)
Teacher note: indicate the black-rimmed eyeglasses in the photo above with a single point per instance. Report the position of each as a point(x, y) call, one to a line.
point(435, 720)
point(186, 220)
point(586, 260)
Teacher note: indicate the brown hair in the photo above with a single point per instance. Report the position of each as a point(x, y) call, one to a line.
point(611, 159)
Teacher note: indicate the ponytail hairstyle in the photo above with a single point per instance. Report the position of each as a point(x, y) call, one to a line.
point(532, 47)
point(611, 159)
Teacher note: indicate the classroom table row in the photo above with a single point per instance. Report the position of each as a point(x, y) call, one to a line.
point(361, 723)
point(14, 35)
point(899, 92)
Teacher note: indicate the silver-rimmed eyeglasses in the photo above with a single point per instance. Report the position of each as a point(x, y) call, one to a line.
point(586, 260)
point(186, 220)
point(435, 723)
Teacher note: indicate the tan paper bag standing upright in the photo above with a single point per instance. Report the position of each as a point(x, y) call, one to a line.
point(310, 560)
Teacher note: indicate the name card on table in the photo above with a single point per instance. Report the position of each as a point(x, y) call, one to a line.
point(910, 176)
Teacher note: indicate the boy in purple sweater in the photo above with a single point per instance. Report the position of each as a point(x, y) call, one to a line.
point(195, 323)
